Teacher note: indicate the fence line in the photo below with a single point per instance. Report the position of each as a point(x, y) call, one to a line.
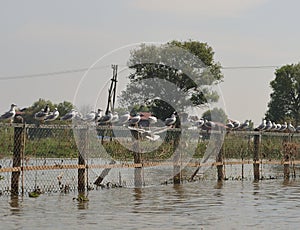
point(39, 155)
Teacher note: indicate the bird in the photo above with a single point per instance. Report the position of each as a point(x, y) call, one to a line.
point(244, 125)
point(90, 116)
point(199, 123)
point(115, 117)
point(208, 125)
point(98, 115)
point(170, 121)
point(236, 124)
point(106, 119)
point(298, 129)
point(133, 121)
point(70, 115)
point(283, 127)
point(53, 115)
point(9, 115)
point(123, 119)
point(268, 126)
point(151, 135)
point(229, 125)
point(42, 114)
point(262, 126)
point(152, 119)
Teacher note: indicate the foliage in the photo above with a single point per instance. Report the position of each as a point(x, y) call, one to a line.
point(37, 106)
point(178, 74)
point(216, 114)
point(285, 98)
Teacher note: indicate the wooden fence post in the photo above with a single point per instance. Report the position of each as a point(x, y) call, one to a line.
point(256, 156)
point(219, 161)
point(17, 157)
point(137, 157)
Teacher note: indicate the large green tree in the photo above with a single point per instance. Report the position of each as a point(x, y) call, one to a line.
point(285, 98)
point(180, 74)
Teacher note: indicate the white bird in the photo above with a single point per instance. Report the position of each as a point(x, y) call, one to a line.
point(115, 117)
point(151, 135)
point(262, 126)
point(229, 125)
point(98, 115)
point(208, 125)
point(70, 115)
point(90, 116)
point(244, 125)
point(170, 121)
point(124, 118)
point(199, 123)
point(283, 127)
point(298, 129)
point(41, 115)
point(9, 115)
point(134, 120)
point(268, 126)
point(52, 116)
point(106, 119)
point(152, 119)
point(236, 124)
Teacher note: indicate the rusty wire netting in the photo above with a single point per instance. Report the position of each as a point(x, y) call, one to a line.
point(48, 158)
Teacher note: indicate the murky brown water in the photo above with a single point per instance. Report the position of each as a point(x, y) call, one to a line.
point(268, 204)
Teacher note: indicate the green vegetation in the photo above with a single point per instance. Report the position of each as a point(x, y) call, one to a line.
point(59, 142)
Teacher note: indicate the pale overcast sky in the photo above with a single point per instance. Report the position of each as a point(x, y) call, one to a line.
point(41, 37)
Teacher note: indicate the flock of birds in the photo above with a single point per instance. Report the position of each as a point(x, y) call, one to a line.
point(109, 118)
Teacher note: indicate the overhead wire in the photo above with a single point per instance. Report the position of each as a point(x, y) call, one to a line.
point(62, 72)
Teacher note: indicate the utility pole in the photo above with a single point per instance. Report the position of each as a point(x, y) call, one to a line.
point(112, 90)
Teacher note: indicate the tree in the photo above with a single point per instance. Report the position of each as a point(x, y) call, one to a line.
point(180, 74)
point(285, 98)
point(216, 114)
point(37, 106)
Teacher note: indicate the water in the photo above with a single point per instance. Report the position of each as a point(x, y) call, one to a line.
point(267, 204)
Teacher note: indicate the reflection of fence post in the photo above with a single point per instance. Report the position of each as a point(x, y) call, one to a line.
point(256, 156)
point(81, 159)
point(17, 156)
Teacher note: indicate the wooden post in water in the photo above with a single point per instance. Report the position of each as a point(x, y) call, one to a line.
point(17, 156)
point(286, 160)
point(137, 157)
point(219, 161)
point(177, 158)
point(81, 159)
point(256, 157)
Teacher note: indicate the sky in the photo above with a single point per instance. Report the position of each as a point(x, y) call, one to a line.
point(40, 37)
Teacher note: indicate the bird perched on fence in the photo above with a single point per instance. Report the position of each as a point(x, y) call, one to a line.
point(133, 121)
point(52, 116)
point(41, 115)
point(123, 119)
point(106, 119)
point(98, 115)
point(91, 116)
point(244, 125)
point(9, 115)
point(170, 121)
point(262, 126)
point(70, 115)
point(115, 117)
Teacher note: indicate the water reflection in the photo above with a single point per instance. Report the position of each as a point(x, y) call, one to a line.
point(14, 204)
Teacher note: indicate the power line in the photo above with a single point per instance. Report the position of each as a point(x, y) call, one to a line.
point(47, 74)
point(252, 67)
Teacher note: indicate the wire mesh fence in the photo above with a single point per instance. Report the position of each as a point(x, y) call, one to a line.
point(50, 158)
